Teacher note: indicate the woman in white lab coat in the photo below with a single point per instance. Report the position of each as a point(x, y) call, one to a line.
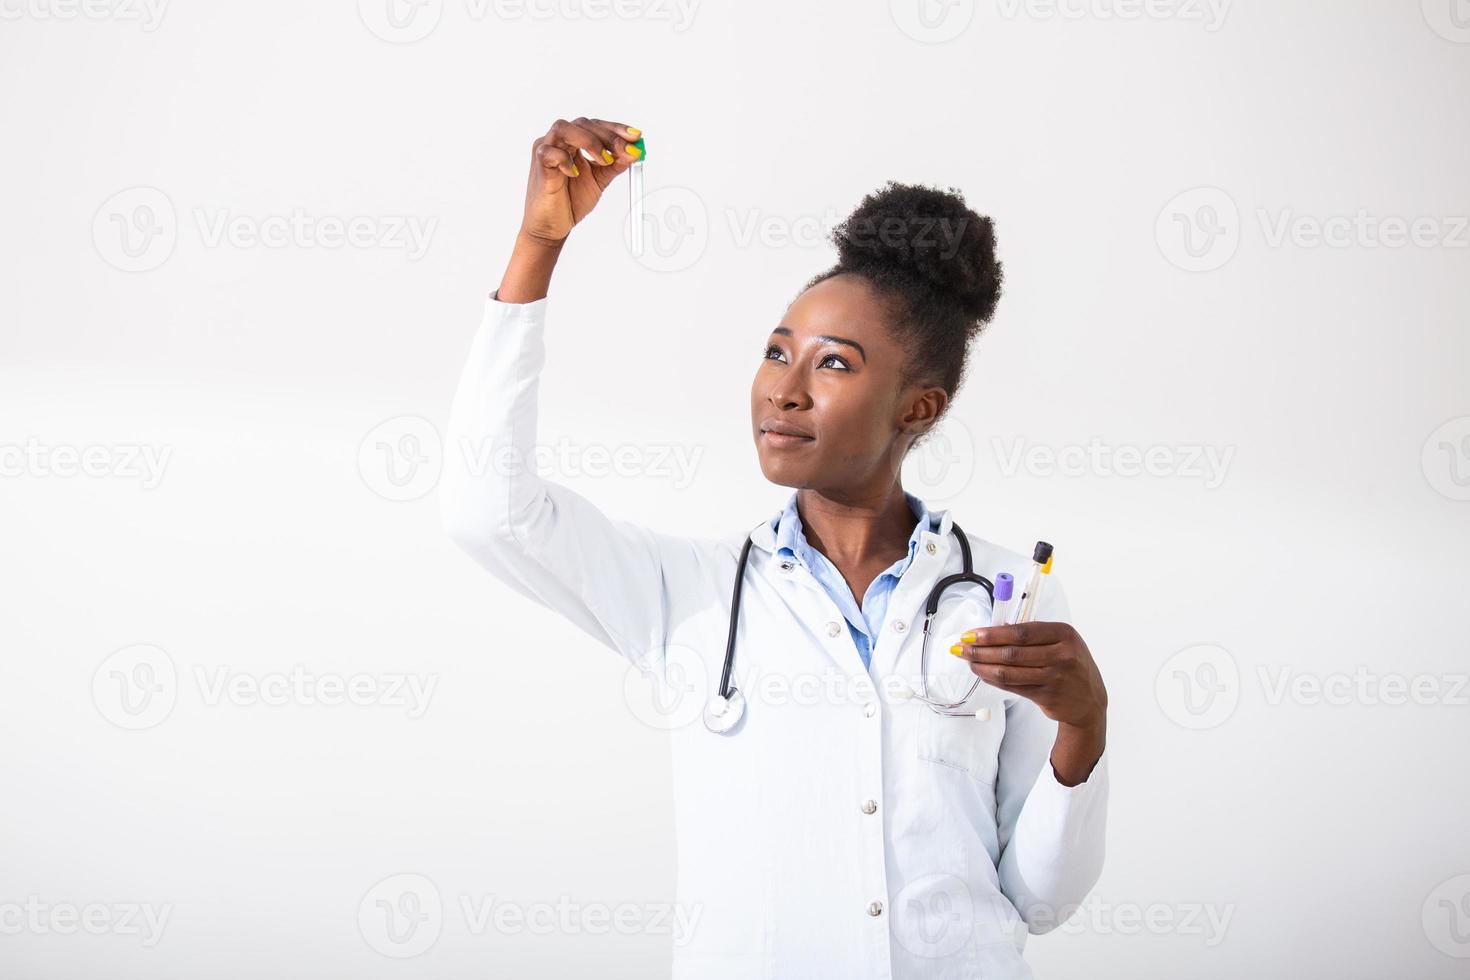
point(841, 829)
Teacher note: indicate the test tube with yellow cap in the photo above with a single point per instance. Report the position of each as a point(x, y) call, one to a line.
point(635, 198)
point(1040, 569)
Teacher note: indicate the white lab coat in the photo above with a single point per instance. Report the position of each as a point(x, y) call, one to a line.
point(840, 832)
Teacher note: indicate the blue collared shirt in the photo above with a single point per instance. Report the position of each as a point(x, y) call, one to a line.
point(865, 621)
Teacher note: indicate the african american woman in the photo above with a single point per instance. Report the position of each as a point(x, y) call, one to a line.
point(840, 812)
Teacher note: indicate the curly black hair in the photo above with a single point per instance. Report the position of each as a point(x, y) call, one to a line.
point(933, 259)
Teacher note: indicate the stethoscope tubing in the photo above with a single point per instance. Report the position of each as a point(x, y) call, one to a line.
point(727, 695)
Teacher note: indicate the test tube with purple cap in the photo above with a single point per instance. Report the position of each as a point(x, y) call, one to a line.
point(1005, 587)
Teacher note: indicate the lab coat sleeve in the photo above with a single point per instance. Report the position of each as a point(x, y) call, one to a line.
point(1051, 836)
point(541, 538)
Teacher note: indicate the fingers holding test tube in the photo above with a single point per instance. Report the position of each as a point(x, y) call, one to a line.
point(607, 145)
point(571, 165)
point(1048, 663)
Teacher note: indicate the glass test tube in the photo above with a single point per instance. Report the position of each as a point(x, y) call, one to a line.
point(635, 201)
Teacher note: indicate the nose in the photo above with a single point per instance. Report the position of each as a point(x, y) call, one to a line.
point(788, 393)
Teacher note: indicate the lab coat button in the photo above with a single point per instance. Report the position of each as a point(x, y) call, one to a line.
point(875, 908)
point(786, 566)
point(870, 806)
point(870, 709)
point(931, 547)
point(833, 629)
point(899, 626)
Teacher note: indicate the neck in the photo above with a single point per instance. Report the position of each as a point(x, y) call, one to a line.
point(857, 530)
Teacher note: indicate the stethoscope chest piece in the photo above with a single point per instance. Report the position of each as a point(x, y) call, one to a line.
point(721, 714)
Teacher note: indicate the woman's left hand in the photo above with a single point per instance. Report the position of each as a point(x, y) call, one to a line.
point(1047, 663)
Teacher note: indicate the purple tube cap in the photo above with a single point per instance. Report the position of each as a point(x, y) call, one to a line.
point(1004, 586)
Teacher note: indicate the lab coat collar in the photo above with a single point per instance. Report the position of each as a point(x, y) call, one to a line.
point(905, 604)
point(763, 538)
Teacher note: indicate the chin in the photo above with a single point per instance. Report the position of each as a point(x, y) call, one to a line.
point(782, 473)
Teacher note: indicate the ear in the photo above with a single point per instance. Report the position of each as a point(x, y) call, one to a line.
point(923, 409)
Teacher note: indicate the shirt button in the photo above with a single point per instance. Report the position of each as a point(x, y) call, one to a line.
point(786, 566)
point(833, 629)
point(870, 709)
point(875, 908)
point(870, 806)
point(899, 626)
point(930, 547)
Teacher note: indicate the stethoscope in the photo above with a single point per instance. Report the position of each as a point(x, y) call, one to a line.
point(725, 710)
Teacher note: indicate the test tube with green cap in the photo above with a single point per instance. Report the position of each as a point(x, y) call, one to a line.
point(635, 198)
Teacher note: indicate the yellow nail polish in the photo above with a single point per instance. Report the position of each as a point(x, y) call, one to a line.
point(967, 637)
point(957, 650)
point(575, 171)
point(607, 156)
point(634, 152)
point(635, 133)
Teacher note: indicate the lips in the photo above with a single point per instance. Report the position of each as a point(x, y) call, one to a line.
point(784, 428)
point(784, 435)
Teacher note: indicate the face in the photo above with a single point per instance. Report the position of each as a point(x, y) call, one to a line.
point(831, 377)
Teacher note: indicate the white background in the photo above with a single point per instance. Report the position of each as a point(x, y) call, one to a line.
point(1331, 377)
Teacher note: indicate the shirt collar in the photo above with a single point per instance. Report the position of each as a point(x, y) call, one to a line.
point(790, 539)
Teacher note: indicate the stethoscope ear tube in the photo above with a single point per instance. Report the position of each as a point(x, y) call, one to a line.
point(931, 606)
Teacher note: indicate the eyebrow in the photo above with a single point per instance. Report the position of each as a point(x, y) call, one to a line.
point(786, 331)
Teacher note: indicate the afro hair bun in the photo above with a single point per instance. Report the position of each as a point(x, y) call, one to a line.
point(904, 236)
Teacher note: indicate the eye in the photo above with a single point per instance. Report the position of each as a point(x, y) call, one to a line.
point(839, 361)
point(770, 348)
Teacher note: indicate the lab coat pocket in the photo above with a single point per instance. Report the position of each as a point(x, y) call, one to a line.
point(963, 741)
